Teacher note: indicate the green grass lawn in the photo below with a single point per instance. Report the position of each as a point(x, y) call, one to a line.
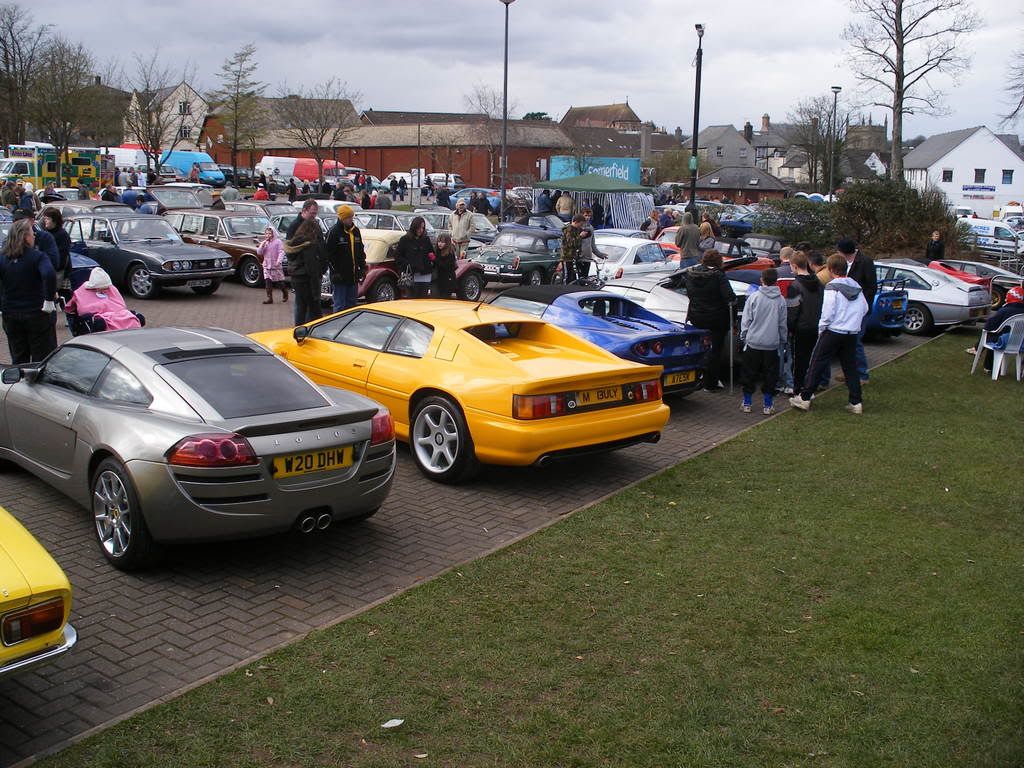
point(824, 590)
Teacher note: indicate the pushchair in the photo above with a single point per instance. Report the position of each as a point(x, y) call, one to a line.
point(78, 273)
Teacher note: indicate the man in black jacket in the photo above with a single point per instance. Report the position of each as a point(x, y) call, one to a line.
point(711, 305)
point(346, 258)
point(861, 269)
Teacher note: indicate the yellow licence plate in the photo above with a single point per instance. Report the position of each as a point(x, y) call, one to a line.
point(898, 304)
point(671, 379)
point(313, 461)
point(599, 396)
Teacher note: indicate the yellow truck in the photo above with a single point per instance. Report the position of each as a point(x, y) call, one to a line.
point(80, 167)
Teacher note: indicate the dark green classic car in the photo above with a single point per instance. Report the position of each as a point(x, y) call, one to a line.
point(520, 254)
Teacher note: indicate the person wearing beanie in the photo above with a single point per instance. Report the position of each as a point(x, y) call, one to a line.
point(99, 306)
point(346, 258)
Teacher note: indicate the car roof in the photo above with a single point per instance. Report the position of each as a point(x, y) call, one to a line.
point(166, 339)
point(545, 294)
point(452, 313)
point(621, 240)
point(524, 229)
point(220, 214)
point(127, 213)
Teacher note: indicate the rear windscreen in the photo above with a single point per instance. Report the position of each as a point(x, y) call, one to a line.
point(237, 386)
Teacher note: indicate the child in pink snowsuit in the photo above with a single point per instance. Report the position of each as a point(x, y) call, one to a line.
point(99, 303)
point(271, 249)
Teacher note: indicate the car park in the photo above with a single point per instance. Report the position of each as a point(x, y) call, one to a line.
point(493, 196)
point(934, 298)
point(192, 434)
point(35, 602)
point(236, 233)
point(472, 384)
point(521, 255)
point(143, 254)
point(440, 219)
point(630, 256)
point(1001, 279)
point(620, 325)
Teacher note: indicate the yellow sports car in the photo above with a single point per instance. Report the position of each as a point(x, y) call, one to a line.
point(470, 383)
point(35, 600)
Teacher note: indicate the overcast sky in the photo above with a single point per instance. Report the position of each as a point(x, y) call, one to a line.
point(759, 55)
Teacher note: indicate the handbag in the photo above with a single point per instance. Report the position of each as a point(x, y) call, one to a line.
point(405, 280)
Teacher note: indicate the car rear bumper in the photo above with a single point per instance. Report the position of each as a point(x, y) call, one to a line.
point(184, 505)
point(67, 641)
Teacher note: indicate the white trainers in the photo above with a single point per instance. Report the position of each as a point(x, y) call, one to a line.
point(858, 408)
point(799, 403)
point(768, 410)
point(745, 407)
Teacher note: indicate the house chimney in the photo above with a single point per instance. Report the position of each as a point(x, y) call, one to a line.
point(748, 132)
point(99, 80)
point(766, 123)
point(645, 141)
point(814, 124)
point(679, 134)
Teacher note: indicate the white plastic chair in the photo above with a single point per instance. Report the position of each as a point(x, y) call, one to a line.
point(1014, 346)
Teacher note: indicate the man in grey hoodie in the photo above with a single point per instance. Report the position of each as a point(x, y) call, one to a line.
point(762, 331)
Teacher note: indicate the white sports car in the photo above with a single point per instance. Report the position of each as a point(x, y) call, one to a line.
point(935, 297)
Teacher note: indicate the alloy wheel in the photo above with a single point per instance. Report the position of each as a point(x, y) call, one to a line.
point(112, 513)
point(435, 439)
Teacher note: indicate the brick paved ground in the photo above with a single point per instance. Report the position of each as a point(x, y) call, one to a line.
point(146, 636)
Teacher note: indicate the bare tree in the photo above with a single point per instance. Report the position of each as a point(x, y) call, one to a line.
point(151, 119)
point(1015, 88)
point(899, 47)
point(60, 99)
point(238, 101)
point(21, 45)
point(812, 132)
point(318, 118)
point(485, 105)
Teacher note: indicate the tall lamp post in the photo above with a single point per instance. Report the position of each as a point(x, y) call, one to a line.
point(504, 118)
point(832, 151)
point(692, 206)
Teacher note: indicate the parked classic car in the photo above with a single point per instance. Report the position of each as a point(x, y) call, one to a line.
point(71, 208)
point(399, 221)
point(35, 602)
point(143, 254)
point(471, 384)
point(620, 325)
point(547, 221)
point(493, 196)
point(164, 197)
point(934, 297)
point(1002, 279)
point(521, 255)
point(265, 207)
point(174, 434)
point(440, 219)
point(767, 246)
point(236, 233)
point(630, 256)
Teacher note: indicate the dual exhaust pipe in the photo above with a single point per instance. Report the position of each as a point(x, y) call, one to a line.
point(310, 523)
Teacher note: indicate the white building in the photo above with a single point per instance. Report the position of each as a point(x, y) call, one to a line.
point(973, 167)
point(176, 113)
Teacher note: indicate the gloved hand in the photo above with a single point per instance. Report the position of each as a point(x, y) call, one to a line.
point(49, 307)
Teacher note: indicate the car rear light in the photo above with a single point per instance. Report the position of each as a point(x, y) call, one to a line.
point(705, 341)
point(33, 621)
point(539, 406)
point(644, 391)
point(212, 450)
point(382, 428)
point(618, 273)
point(657, 347)
point(641, 348)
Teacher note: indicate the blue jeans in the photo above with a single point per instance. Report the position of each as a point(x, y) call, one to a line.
point(786, 365)
point(861, 357)
point(344, 296)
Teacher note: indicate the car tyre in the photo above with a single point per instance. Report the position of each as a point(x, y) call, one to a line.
point(121, 530)
point(918, 319)
point(250, 272)
point(998, 297)
point(440, 442)
point(384, 289)
point(140, 283)
point(207, 290)
point(534, 277)
point(471, 285)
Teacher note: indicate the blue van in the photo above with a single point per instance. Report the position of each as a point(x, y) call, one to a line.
point(209, 172)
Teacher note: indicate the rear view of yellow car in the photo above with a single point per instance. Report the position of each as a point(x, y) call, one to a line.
point(35, 600)
point(470, 384)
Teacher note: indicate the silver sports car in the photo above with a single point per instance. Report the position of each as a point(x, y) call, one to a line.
point(188, 434)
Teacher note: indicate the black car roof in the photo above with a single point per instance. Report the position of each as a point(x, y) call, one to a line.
point(522, 229)
point(544, 294)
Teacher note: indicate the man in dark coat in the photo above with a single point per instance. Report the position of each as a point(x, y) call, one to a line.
point(861, 269)
point(346, 258)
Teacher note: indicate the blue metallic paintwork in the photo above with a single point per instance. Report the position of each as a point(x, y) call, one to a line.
point(883, 317)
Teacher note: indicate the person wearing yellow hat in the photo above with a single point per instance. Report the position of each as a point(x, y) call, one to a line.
point(346, 259)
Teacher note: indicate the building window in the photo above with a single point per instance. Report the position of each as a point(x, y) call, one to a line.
point(184, 132)
point(743, 151)
point(947, 175)
point(184, 108)
point(718, 152)
point(979, 175)
point(1007, 176)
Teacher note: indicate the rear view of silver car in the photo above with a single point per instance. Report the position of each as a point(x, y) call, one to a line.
point(175, 435)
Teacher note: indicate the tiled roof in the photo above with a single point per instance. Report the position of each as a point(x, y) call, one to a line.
point(936, 147)
point(602, 114)
point(385, 117)
point(521, 133)
point(739, 177)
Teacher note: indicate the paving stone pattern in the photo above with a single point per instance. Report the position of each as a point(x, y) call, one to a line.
point(206, 608)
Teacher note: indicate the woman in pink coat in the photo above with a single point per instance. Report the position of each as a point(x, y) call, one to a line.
point(99, 306)
point(271, 249)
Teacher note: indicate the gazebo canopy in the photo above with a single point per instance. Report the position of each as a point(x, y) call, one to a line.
point(591, 182)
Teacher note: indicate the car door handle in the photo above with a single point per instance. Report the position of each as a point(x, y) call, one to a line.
point(358, 363)
point(67, 416)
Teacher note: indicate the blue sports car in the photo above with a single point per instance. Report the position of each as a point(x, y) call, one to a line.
point(621, 326)
point(889, 308)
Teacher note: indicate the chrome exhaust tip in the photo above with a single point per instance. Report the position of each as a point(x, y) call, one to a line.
point(323, 522)
point(307, 523)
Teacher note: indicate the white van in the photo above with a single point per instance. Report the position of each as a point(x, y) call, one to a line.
point(1011, 211)
point(128, 158)
point(962, 211)
point(994, 237)
point(450, 180)
point(275, 167)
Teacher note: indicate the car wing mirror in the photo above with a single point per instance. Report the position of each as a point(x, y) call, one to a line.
point(11, 375)
point(300, 334)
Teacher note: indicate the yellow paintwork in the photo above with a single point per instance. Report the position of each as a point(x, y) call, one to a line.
point(482, 377)
point(28, 575)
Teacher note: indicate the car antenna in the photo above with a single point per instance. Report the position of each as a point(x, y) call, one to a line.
point(478, 305)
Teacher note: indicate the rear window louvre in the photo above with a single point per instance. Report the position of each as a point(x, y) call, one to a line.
point(173, 354)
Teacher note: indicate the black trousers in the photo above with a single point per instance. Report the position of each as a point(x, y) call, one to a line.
point(759, 365)
point(803, 346)
point(713, 372)
point(307, 298)
point(30, 335)
point(831, 344)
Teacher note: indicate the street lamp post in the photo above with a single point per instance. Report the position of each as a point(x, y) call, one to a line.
point(504, 118)
point(692, 206)
point(832, 151)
